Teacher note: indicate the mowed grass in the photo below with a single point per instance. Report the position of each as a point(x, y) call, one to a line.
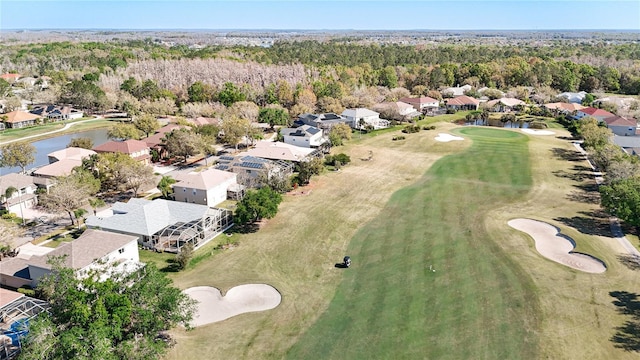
point(478, 304)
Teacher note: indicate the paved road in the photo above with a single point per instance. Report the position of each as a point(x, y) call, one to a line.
point(67, 126)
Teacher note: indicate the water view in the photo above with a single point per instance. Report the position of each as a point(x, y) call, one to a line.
point(44, 147)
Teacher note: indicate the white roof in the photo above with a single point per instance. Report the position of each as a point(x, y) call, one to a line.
point(506, 102)
point(359, 112)
point(74, 153)
point(279, 151)
point(146, 217)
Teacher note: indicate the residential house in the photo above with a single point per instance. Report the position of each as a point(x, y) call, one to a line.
point(621, 125)
point(303, 136)
point(424, 104)
point(10, 78)
point(564, 108)
point(455, 91)
point(24, 197)
point(596, 113)
point(397, 110)
point(164, 225)
point(462, 103)
point(281, 151)
point(137, 149)
point(321, 121)
point(93, 249)
point(360, 118)
point(62, 162)
point(209, 187)
point(251, 168)
point(573, 97)
point(16, 310)
point(18, 119)
point(56, 112)
point(630, 144)
point(155, 141)
point(504, 104)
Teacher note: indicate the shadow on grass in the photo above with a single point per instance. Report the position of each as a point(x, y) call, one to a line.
point(588, 197)
point(244, 229)
point(627, 336)
point(172, 266)
point(630, 261)
point(590, 223)
point(568, 155)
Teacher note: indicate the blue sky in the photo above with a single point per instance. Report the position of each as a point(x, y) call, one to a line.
point(321, 15)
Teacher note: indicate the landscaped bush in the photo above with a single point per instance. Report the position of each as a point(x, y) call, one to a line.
point(27, 291)
point(410, 129)
point(432, 127)
point(342, 158)
point(398, 137)
point(538, 125)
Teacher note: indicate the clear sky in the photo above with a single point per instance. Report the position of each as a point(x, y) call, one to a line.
point(321, 15)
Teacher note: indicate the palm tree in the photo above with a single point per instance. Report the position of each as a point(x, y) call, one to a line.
point(8, 193)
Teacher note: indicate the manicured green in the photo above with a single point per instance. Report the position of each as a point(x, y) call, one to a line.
point(478, 304)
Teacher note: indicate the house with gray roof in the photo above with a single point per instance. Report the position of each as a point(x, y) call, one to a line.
point(304, 136)
point(322, 121)
point(164, 225)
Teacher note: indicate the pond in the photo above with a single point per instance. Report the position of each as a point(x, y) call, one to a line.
point(44, 147)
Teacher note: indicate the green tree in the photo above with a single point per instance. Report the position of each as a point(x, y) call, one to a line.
point(116, 318)
point(20, 154)
point(199, 92)
point(387, 77)
point(308, 168)
point(258, 204)
point(622, 199)
point(235, 130)
point(96, 203)
point(182, 143)
point(123, 131)
point(70, 193)
point(165, 186)
point(5, 88)
point(230, 94)
point(594, 135)
point(339, 133)
point(273, 116)
point(146, 123)
point(184, 256)
point(83, 94)
point(81, 142)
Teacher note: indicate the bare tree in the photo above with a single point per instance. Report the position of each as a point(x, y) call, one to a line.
point(68, 194)
point(136, 176)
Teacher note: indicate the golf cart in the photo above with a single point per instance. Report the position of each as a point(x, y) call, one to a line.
point(347, 261)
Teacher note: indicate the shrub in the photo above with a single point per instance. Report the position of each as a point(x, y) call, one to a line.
point(341, 158)
point(538, 125)
point(410, 129)
point(398, 137)
point(27, 291)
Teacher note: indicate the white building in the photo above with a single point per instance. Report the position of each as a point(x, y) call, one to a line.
point(359, 118)
point(303, 136)
point(209, 187)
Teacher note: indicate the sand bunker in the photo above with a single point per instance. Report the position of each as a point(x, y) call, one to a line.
point(442, 137)
point(557, 247)
point(538, 132)
point(213, 307)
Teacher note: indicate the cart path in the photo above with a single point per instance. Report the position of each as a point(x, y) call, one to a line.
point(66, 127)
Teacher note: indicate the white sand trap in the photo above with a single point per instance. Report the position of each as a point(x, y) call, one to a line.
point(538, 132)
point(213, 307)
point(442, 137)
point(557, 247)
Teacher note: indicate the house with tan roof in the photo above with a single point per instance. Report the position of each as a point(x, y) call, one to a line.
point(304, 136)
point(462, 102)
point(62, 162)
point(281, 151)
point(137, 149)
point(209, 187)
point(562, 107)
point(73, 153)
point(25, 197)
point(622, 126)
point(18, 119)
point(596, 113)
point(455, 91)
point(504, 104)
point(93, 249)
point(397, 110)
point(424, 104)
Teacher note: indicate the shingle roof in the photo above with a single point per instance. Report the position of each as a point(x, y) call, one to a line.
point(204, 180)
point(126, 147)
point(620, 121)
point(92, 245)
point(20, 116)
point(564, 106)
point(506, 102)
point(359, 112)
point(8, 296)
point(19, 181)
point(596, 112)
point(146, 217)
point(463, 100)
point(59, 168)
point(304, 130)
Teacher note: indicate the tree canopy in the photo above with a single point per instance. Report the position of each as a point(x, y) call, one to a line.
point(622, 199)
point(20, 154)
point(258, 204)
point(119, 317)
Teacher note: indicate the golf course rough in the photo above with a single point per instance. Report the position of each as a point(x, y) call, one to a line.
point(479, 304)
